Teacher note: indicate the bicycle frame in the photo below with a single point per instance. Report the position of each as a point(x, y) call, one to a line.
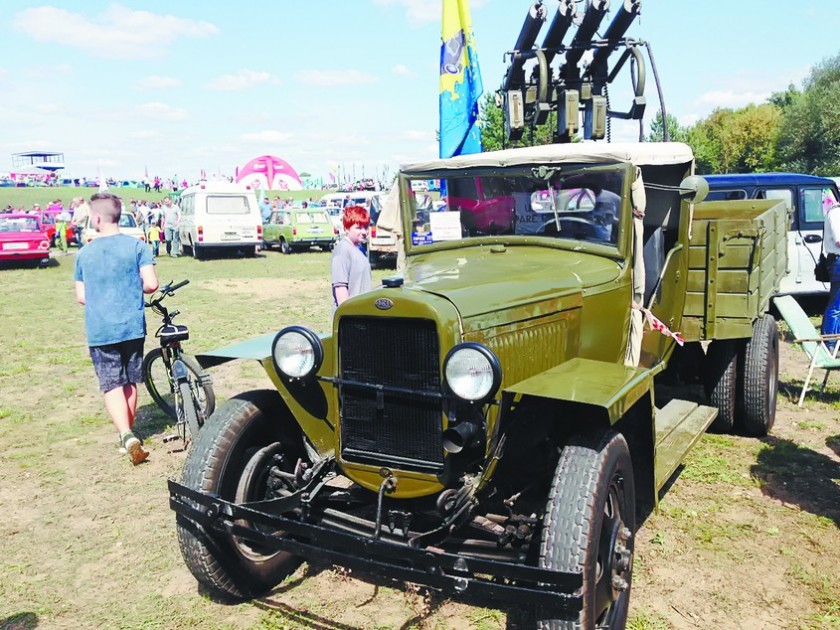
point(188, 411)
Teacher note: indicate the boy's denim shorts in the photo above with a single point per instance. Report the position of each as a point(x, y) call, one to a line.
point(118, 364)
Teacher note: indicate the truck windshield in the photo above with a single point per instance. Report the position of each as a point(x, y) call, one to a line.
point(575, 203)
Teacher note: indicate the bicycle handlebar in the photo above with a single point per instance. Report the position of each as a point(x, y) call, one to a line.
point(169, 289)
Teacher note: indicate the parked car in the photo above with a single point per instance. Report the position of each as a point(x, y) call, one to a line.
point(487, 204)
point(48, 222)
point(384, 246)
point(803, 195)
point(296, 229)
point(127, 226)
point(22, 237)
point(219, 216)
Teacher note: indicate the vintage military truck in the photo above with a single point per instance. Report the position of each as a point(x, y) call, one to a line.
point(485, 423)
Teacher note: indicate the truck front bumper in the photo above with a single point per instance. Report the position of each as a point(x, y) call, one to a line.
point(454, 574)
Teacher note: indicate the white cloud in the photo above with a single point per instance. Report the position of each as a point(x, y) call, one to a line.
point(687, 120)
point(48, 108)
point(267, 136)
point(416, 134)
point(118, 33)
point(145, 135)
point(421, 12)
point(161, 111)
point(3, 72)
point(327, 78)
point(242, 80)
point(732, 98)
point(402, 70)
point(154, 82)
point(738, 91)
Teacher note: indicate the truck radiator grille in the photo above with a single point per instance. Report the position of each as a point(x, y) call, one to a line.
point(388, 428)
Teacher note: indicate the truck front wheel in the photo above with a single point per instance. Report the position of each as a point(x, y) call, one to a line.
point(232, 458)
point(759, 375)
point(589, 524)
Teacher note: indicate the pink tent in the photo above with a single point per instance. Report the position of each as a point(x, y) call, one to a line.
point(268, 172)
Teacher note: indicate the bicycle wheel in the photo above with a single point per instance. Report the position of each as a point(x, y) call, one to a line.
point(158, 380)
point(188, 404)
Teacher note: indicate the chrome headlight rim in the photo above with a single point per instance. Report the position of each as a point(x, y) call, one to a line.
point(317, 349)
point(492, 359)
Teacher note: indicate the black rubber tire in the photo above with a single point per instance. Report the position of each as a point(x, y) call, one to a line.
point(188, 403)
point(285, 247)
point(721, 382)
point(242, 428)
point(759, 379)
point(592, 499)
point(163, 393)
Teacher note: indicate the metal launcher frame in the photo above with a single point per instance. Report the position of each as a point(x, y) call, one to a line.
point(578, 84)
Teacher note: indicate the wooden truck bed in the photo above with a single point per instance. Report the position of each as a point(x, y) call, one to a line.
point(737, 257)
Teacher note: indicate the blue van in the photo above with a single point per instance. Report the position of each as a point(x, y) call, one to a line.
point(804, 196)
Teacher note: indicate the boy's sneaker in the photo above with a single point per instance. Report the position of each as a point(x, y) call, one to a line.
point(134, 448)
point(120, 447)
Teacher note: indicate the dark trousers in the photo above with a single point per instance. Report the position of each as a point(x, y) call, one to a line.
point(831, 317)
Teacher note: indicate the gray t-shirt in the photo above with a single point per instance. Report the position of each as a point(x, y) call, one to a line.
point(350, 268)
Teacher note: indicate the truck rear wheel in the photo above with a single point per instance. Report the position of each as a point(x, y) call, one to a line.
point(721, 379)
point(589, 524)
point(759, 374)
point(231, 458)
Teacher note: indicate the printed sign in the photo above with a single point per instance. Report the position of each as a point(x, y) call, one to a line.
point(446, 226)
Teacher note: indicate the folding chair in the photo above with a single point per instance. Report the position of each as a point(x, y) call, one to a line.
point(812, 342)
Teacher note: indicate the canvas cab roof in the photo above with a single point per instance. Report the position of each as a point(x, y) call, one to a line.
point(636, 153)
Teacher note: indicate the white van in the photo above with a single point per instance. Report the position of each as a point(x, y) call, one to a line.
point(220, 215)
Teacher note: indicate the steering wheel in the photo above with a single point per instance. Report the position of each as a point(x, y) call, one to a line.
point(575, 227)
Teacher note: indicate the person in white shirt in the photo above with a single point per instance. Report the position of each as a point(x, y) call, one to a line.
point(81, 212)
point(831, 244)
point(171, 221)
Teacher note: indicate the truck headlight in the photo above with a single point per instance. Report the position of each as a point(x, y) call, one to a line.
point(472, 372)
point(297, 352)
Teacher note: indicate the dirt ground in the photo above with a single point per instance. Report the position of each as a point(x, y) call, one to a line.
point(748, 535)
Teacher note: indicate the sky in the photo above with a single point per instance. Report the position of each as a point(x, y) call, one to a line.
point(174, 88)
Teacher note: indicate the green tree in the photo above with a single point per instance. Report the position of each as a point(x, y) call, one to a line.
point(676, 132)
point(809, 135)
point(785, 99)
point(491, 119)
point(737, 141)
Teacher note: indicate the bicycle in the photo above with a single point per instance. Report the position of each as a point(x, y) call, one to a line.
point(175, 380)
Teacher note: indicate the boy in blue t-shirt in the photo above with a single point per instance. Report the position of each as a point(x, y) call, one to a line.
point(112, 274)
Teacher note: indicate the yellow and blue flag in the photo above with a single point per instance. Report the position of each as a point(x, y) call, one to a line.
point(460, 82)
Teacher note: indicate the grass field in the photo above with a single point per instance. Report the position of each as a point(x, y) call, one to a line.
point(747, 537)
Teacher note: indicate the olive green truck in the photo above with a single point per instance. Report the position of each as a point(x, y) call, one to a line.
point(563, 331)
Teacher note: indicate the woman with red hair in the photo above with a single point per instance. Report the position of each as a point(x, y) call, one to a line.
point(350, 267)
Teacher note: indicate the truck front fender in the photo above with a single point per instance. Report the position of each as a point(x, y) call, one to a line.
point(611, 387)
point(309, 402)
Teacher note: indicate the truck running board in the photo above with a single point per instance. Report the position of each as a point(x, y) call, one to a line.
point(679, 425)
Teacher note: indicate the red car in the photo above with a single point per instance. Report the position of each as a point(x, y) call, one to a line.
point(23, 238)
point(486, 207)
point(48, 222)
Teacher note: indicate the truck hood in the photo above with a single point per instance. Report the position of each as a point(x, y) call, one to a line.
point(505, 280)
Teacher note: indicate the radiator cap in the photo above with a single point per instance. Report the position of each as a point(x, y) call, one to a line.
point(393, 283)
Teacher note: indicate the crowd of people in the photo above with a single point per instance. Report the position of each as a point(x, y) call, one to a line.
point(150, 216)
